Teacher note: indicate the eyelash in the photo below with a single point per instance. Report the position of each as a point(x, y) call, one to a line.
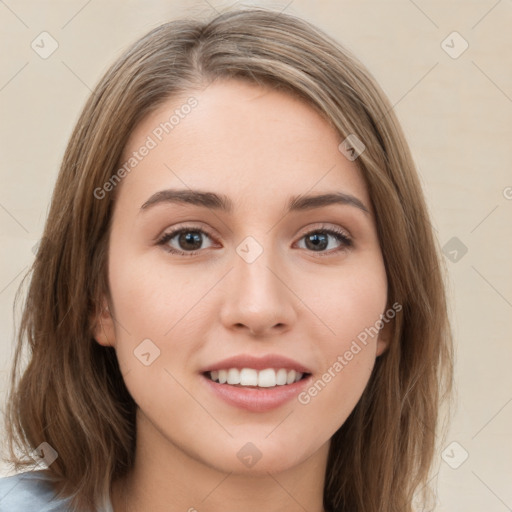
point(340, 235)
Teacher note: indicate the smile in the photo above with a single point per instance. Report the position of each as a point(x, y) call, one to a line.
point(266, 378)
point(256, 384)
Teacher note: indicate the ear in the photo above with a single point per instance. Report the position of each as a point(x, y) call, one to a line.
point(102, 325)
point(384, 338)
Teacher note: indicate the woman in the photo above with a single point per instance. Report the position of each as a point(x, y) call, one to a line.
point(237, 303)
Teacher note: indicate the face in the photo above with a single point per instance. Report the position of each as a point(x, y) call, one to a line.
point(225, 263)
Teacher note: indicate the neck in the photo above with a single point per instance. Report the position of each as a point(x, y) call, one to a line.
point(164, 478)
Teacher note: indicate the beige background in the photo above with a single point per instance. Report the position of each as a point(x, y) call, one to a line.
point(456, 112)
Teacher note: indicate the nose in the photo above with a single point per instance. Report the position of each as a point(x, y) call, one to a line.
point(258, 298)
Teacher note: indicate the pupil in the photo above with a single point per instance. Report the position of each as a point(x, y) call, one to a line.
point(317, 241)
point(190, 240)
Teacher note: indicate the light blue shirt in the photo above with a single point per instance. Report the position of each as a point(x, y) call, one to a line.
point(32, 491)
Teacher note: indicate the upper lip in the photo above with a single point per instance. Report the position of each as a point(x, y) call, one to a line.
point(257, 363)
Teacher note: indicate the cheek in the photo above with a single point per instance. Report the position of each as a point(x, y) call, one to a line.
point(161, 302)
point(349, 306)
point(348, 302)
point(149, 295)
point(333, 394)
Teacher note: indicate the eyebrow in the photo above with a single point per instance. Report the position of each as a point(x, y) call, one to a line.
point(222, 202)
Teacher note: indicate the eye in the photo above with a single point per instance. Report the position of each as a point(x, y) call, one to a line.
point(189, 241)
point(185, 241)
point(326, 241)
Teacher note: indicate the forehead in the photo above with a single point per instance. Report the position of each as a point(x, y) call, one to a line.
point(242, 139)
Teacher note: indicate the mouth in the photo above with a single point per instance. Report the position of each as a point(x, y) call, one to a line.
point(252, 378)
point(256, 384)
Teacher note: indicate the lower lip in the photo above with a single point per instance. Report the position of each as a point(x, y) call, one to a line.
point(257, 399)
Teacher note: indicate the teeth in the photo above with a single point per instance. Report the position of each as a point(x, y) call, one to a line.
point(248, 377)
point(281, 377)
point(267, 378)
point(233, 376)
point(290, 377)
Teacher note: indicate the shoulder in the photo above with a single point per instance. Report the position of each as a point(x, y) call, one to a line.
point(32, 491)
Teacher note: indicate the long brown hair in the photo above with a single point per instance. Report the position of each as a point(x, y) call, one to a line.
point(72, 394)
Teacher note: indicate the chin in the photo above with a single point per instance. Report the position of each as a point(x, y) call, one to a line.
point(258, 457)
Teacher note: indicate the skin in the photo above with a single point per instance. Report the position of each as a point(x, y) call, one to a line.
point(259, 147)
